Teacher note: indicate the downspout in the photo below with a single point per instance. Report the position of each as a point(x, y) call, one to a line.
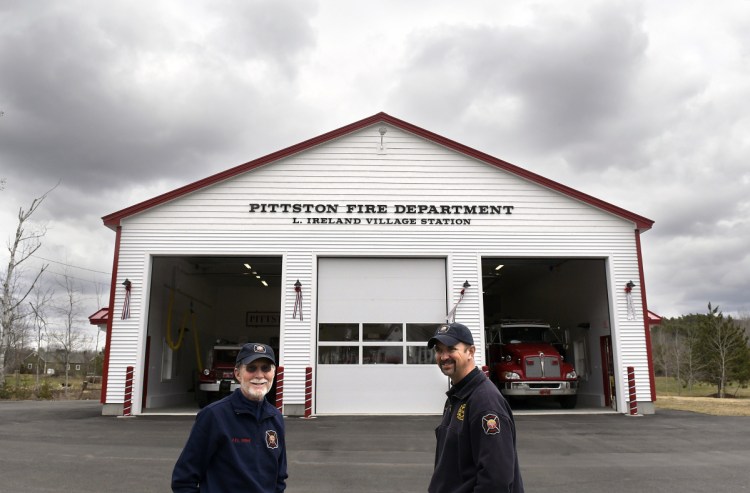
point(649, 353)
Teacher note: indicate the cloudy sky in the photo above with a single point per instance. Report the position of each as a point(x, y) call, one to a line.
point(645, 105)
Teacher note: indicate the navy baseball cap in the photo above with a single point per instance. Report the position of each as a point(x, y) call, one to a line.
point(252, 351)
point(451, 334)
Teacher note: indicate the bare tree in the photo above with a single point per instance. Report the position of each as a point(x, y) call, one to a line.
point(691, 366)
point(725, 350)
point(99, 294)
point(39, 307)
point(70, 338)
point(676, 349)
point(14, 289)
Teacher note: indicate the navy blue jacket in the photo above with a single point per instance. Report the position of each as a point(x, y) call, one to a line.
point(236, 445)
point(476, 441)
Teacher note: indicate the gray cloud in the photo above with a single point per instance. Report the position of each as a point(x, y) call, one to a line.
point(557, 85)
point(640, 104)
point(114, 99)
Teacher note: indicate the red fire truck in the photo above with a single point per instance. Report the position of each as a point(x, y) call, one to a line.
point(217, 379)
point(526, 360)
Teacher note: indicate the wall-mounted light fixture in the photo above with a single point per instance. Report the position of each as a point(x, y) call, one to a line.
point(381, 147)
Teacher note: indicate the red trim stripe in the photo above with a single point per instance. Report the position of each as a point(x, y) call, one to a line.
point(646, 324)
point(113, 284)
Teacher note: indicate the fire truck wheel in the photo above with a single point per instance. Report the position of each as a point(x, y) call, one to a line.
point(568, 401)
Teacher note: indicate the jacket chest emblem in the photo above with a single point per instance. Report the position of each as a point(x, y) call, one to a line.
point(272, 439)
point(461, 412)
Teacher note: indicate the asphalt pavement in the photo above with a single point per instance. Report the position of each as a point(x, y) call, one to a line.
point(68, 446)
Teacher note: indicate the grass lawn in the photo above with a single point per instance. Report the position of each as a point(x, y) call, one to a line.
point(23, 386)
point(670, 395)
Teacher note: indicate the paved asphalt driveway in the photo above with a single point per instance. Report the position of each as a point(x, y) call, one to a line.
point(69, 446)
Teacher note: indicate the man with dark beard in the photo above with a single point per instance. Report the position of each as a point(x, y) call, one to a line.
point(476, 440)
point(237, 443)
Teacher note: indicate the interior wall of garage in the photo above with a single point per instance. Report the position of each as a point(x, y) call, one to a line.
point(170, 386)
point(233, 304)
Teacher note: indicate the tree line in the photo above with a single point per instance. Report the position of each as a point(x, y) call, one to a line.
point(703, 348)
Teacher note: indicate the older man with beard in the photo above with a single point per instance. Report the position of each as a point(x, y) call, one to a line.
point(237, 443)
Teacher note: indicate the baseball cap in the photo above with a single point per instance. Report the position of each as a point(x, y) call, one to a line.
point(451, 334)
point(252, 351)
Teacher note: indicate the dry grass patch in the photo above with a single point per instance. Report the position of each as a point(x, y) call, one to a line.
point(705, 405)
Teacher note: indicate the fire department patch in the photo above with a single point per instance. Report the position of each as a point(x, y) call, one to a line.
point(461, 411)
point(491, 424)
point(272, 439)
point(259, 348)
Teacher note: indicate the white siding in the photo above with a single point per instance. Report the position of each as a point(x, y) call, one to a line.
point(349, 170)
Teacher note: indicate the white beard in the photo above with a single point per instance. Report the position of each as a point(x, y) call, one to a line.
point(254, 393)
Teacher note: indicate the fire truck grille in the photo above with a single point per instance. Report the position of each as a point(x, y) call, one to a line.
point(542, 367)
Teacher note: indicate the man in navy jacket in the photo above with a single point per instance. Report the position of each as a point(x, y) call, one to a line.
point(476, 440)
point(237, 443)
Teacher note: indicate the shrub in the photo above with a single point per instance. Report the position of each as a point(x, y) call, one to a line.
point(45, 391)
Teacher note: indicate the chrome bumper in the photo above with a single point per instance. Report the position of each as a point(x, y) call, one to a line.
point(529, 389)
point(217, 386)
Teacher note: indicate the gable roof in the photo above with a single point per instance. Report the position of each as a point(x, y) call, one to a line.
point(113, 220)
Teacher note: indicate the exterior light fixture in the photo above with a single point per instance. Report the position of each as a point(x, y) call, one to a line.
point(382, 131)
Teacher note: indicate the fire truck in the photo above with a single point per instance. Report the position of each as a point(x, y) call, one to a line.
point(217, 379)
point(526, 359)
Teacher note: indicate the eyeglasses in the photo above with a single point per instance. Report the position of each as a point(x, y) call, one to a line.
point(264, 368)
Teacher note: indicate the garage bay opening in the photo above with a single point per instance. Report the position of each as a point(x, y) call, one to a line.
point(201, 310)
point(544, 318)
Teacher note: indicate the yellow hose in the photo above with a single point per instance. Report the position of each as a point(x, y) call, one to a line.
point(170, 343)
point(183, 328)
point(197, 345)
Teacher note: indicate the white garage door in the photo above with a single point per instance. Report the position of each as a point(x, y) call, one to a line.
point(375, 316)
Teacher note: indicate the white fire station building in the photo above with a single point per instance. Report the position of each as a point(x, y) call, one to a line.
point(345, 252)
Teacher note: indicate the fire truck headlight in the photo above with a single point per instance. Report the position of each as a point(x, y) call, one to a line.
point(571, 374)
point(511, 375)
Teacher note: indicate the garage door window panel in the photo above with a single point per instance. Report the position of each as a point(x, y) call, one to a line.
point(338, 332)
point(375, 343)
point(417, 335)
point(338, 355)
